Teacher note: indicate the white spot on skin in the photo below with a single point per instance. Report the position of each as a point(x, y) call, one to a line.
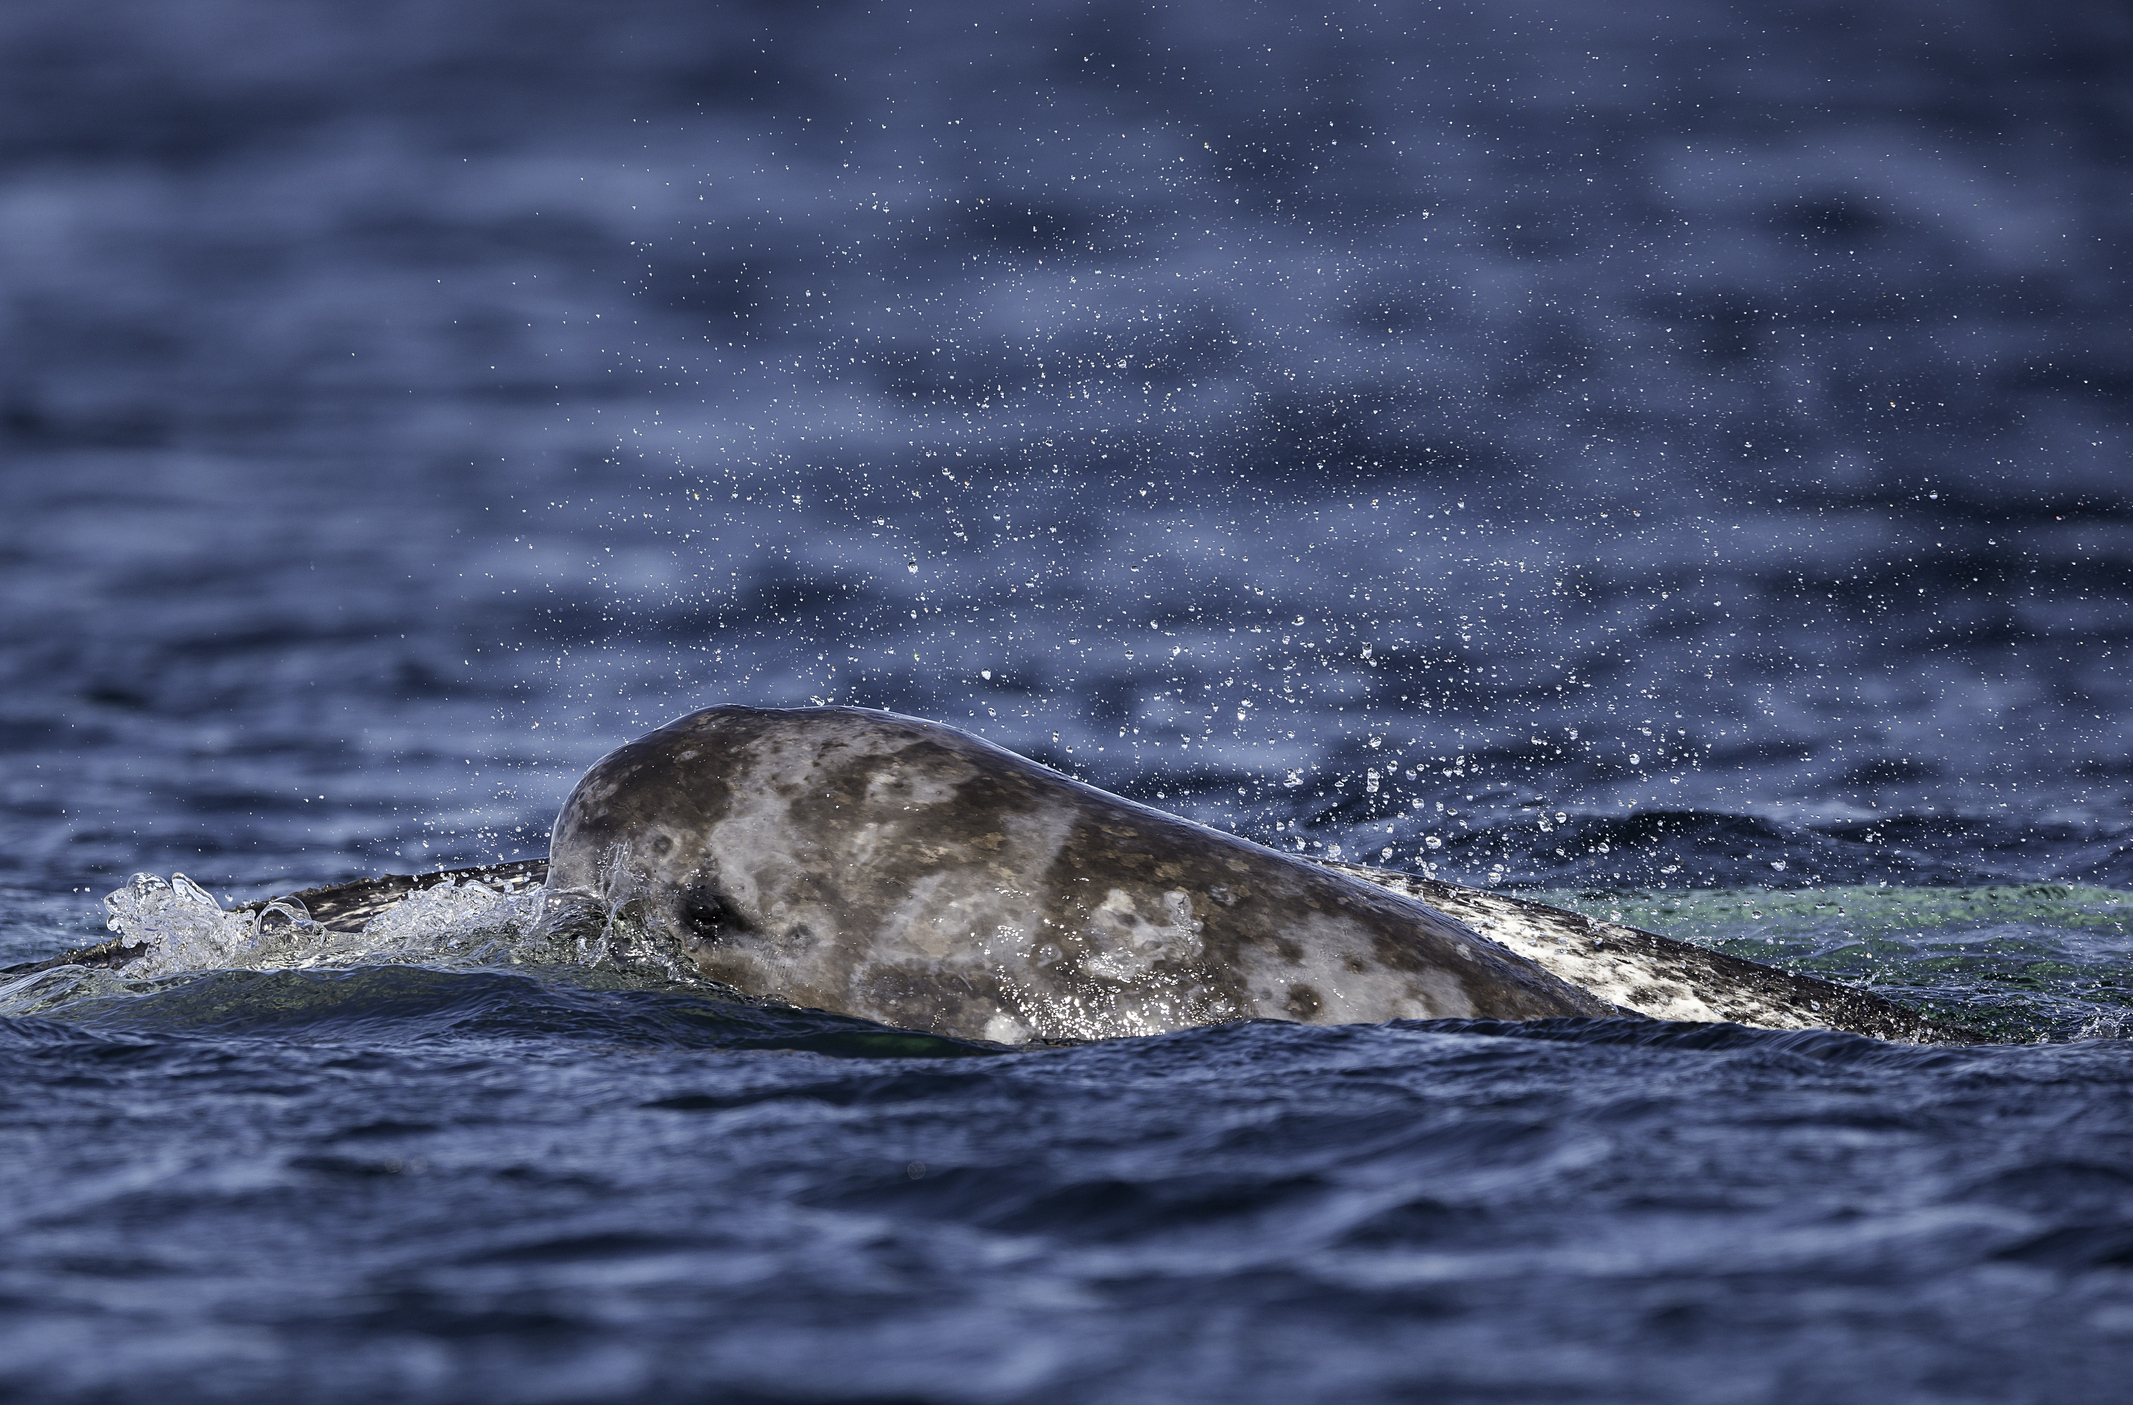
point(1126, 946)
point(1004, 1028)
point(894, 786)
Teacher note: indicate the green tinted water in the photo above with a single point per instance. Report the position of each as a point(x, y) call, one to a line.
point(2019, 961)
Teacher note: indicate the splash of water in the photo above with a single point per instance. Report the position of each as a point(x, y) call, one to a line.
point(185, 930)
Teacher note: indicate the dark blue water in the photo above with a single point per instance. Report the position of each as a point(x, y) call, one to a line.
point(1681, 451)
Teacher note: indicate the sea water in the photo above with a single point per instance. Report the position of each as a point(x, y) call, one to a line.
point(1666, 463)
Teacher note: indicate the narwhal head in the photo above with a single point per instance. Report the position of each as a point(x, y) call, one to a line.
point(633, 835)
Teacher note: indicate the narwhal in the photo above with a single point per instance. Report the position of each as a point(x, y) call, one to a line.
point(907, 872)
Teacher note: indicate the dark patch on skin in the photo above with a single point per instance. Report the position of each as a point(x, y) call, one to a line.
point(709, 915)
point(1304, 1003)
point(1399, 956)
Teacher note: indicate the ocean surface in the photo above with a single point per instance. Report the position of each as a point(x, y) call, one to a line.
point(1671, 461)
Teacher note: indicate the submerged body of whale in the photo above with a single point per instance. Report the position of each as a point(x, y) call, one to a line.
point(906, 872)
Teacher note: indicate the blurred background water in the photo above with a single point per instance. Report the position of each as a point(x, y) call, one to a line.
point(1629, 453)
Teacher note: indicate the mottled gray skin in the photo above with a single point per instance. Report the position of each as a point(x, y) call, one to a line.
point(906, 872)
